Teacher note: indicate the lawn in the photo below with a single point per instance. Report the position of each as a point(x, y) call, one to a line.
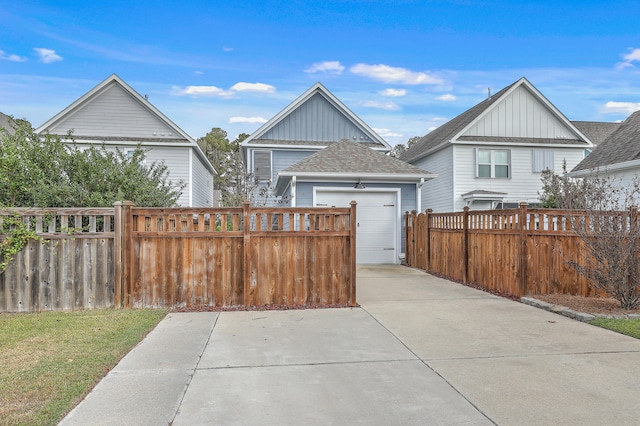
point(49, 361)
point(630, 327)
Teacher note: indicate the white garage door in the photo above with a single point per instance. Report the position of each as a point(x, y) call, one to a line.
point(376, 217)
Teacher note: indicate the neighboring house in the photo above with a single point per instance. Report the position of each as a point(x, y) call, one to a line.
point(617, 156)
point(316, 152)
point(6, 123)
point(114, 115)
point(492, 155)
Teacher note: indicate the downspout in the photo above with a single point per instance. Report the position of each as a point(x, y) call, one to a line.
point(419, 195)
point(293, 191)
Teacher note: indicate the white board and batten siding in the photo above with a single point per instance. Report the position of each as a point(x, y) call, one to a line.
point(520, 114)
point(114, 114)
point(377, 213)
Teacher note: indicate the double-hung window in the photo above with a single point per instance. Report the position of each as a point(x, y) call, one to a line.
point(493, 163)
point(542, 159)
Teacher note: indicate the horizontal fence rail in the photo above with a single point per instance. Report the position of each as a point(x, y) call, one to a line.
point(182, 258)
point(515, 252)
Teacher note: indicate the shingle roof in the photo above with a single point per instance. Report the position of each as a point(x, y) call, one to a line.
point(621, 145)
point(596, 131)
point(352, 157)
point(6, 123)
point(448, 130)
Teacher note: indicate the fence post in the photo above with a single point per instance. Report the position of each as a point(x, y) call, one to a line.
point(127, 254)
point(523, 248)
point(246, 248)
point(465, 244)
point(414, 250)
point(407, 248)
point(427, 265)
point(352, 241)
point(118, 285)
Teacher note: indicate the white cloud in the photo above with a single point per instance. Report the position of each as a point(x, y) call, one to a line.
point(447, 97)
point(391, 106)
point(47, 56)
point(386, 133)
point(621, 107)
point(393, 93)
point(330, 67)
point(227, 49)
point(633, 55)
point(250, 120)
point(390, 74)
point(253, 87)
point(11, 57)
point(198, 72)
point(203, 91)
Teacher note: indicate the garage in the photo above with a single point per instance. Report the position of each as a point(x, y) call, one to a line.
point(376, 216)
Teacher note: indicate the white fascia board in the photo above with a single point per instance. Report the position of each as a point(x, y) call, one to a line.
point(617, 167)
point(284, 147)
point(369, 177)
point(524, 144)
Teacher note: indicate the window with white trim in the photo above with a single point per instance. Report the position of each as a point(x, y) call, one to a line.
point(262, 165)
point(542, 159)
point(493, 163)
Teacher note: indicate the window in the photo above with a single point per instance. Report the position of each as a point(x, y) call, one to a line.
point(493, 163)
point(262, 165)
point(542, 159)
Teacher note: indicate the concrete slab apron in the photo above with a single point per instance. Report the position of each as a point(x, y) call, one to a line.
point(147, 386)
point(516, 363)
point(329, 366)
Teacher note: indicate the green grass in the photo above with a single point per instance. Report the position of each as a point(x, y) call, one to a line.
point(630, 327)
point(49, 361)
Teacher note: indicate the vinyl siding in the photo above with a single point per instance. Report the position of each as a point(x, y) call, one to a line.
point(523, 185)
point(177, 162)
point(437, 194)
point(115, 113)
point(281, 159)
point(520, 114)
point(202, 183)
point(315, 120)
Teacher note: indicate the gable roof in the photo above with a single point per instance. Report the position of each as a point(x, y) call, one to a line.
point(596, 131)
point(58, 124)
point(265, 134)
point(352, 160)
point(620, 146)
point(454, 130)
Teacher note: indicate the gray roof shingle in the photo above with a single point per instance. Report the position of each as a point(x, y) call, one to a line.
point(621, 145)
point(352, 157)
point(596, 131)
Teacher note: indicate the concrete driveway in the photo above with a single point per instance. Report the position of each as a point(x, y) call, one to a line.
point(420, 350)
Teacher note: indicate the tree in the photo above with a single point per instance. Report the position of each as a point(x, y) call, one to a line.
point(400, 148)
point(609, 230)
point(44, 171)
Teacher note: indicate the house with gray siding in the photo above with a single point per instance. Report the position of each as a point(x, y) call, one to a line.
point(114, 115)
point(317, 152)
point(493, 154)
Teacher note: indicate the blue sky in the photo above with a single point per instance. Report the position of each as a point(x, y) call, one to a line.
point(402, 66)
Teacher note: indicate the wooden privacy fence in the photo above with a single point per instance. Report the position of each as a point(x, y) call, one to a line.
point(129, 256)
point(516, 252)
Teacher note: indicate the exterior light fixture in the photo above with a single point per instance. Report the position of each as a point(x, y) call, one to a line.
point(359, 185)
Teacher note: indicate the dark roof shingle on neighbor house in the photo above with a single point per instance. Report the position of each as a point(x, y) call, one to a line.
point(596, 131)
point(352, 157)
point(621, 145)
